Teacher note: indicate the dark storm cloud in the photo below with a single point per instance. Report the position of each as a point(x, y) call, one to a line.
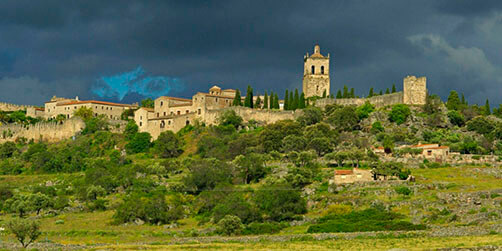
point(65, 48)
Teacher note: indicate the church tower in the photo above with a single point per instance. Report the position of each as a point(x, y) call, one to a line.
point(316, 73)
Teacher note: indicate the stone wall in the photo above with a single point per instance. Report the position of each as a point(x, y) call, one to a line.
point(12, 107)
point(47, 131)
point(415, 90)
point(378, 101)
point(247, 114)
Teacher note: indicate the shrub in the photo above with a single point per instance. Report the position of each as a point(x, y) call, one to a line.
point(377, 127)
point(480, 125)
point(151, 209)
point(403, 190)
point(344, 119)
point(230, 225)
point(235, 205)
point(364, 110)
point(168, 145)
point(139, 143)
point(230, 117)
point(311, 115)
point(280, 202)
point(205, 174)
point(337, 209)
point(399, 113)
point(25, 230)
point(456, 118)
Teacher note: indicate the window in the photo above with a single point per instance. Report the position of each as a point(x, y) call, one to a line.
point(322, 69)
point(161, 103)
point(169, 122)
point(158, 115)
point(164, 113)
point(179, 112)
point(359, 176)
point(140, 123)
point(172, 113)
point(429, 152)
point(343, 176)
point(187, 111)
point(140, 117)
point(111, 117)
point(162, 124)
point(188, 122)
point(199, 111)
point(313, 69)
point(216, 99)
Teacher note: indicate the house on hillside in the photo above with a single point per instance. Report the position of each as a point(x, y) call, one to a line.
point(354, 175)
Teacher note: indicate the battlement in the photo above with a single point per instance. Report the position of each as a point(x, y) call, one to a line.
point(7, 107)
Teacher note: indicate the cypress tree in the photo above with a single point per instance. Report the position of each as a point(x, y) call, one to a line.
point(371, 94)
point(291, 101)
point(250, 97)
point(265, 101)
point(247, 100)
point(387, 91)
point(237, 99)
point(276, 102)
point(324, 93)
point(257, 104)
point(286, 100)
point(345, 92)
point(463, 101)
point(381, 93)
point(302, 101)
point(271, 101)
point(393, 88)
point(339, 94)
point(487, 108)
point(352, 95)
point(331, 96)
point(296, 101)
point(453, 102)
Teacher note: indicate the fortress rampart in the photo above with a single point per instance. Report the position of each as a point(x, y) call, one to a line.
point(6, 107)
point(46, 131)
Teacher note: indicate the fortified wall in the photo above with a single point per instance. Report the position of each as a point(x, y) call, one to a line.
point(6, 107)
point(46, 131)
point(414, 93)
point(248, 114)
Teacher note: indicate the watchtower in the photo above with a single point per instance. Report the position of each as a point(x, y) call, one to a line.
point(316, 74)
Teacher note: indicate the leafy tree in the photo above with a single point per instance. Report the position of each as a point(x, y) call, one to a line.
point(237, 99)
point(387, 169)
point(393, 88)
point(39, 201)
point(371, 94)
point(344, 119)
point(230, 225)
point(230, 117)
point(235, 204)
point(302, 104)
point(388, 144)
point(310, 116)
point(26, 231)
point(293, 143)
point(432, 104)
point(148, 103)
point(364, 111)
point(251, 167)
point(95, 124)
point(60, 118)
point(399, 113)
point(280, 202)
point(205, 174)
point(19, 204)
point(126, 114)
point(339, 94)
point(498, 112)
point(84, 112)
point(456, 118)
point(265, 101)
point(93, 192)
point(286, 100)
point(141, 142)
point(272, 134)
point(168, 145)
point(453, 102)
point(131, 129)
point(8, 149)
point(321, 145)
point(480, 125)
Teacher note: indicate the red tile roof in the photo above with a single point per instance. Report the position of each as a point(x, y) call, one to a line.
point(94, 102)
point(343, 172)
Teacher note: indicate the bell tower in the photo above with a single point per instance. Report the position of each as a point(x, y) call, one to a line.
point(316, 73)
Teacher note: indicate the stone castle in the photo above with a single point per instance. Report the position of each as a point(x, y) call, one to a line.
point(172, 113)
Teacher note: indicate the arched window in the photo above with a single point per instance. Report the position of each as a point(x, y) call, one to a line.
point(313, 69)
point(188, 122)
point(161, 103)
point(162, 124)
point(322, 69)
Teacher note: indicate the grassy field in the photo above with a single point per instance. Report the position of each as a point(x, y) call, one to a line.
point(94, 229)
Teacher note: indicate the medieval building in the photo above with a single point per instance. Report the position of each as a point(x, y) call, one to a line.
point(316, 74)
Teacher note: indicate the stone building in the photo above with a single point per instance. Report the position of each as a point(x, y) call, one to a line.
point(316, 74)
point(354, 175)
point(67, 107)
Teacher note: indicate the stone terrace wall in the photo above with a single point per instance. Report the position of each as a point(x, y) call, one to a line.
point(11, 107)
point(47, 131)
point(247, 114)
point(378, 101)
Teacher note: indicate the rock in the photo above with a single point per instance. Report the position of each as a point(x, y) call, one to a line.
point(139, 222)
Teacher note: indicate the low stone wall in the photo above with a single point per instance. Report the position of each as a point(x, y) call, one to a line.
point(12, 107)
point(46, 131)
point(247, 114)
point(378, 101)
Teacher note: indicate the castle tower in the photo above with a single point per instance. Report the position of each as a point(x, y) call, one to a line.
point(414, 90)
point(316, 74)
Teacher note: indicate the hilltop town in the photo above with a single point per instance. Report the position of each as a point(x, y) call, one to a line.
point(226, 166)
